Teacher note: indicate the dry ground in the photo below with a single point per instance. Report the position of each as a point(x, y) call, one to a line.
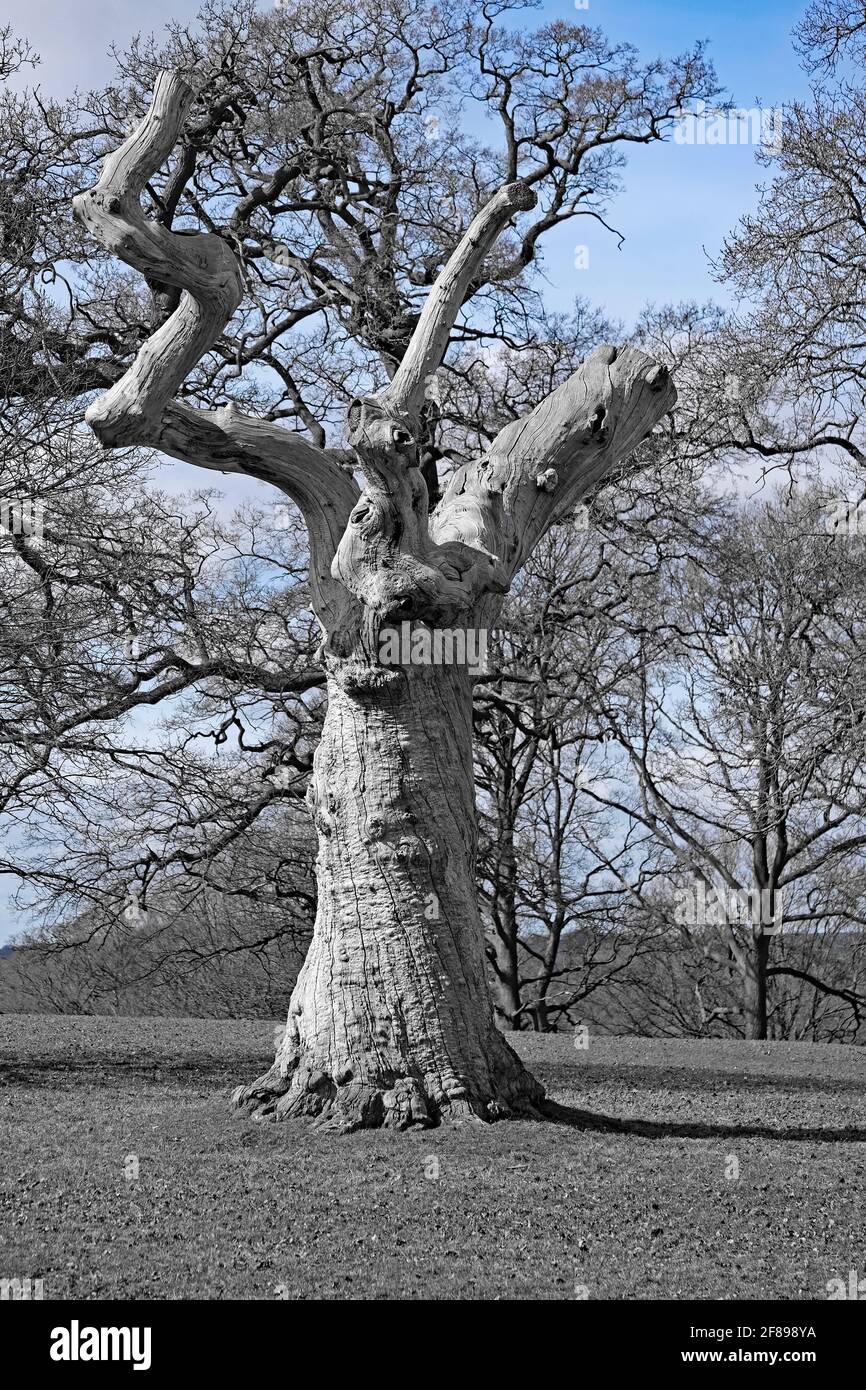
point(628, 1194)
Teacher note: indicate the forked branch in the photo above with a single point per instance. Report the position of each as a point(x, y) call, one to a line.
point(382, 554)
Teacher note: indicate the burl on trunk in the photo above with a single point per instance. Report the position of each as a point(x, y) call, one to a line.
point(391, 1021)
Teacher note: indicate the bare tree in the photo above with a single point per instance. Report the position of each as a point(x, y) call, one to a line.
point(784, 380)
point(560, 878)
point(116, 606)
point(390, 1022)
point(738, 713)
point(832, 31)
point(230, 948)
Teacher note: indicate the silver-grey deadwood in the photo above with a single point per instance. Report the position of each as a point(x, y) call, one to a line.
point(390, 1021)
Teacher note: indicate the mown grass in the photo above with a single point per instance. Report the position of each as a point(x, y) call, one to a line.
point(626, 1195)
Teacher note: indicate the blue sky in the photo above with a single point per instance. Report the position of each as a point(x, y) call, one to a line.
point(679, 200)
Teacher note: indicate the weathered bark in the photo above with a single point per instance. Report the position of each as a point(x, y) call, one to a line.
point(391, 1021)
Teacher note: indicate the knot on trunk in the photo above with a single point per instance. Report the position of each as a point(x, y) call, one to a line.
point(381, 436)
point(547, 480)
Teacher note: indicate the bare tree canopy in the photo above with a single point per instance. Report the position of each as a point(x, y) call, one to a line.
point(318, 233)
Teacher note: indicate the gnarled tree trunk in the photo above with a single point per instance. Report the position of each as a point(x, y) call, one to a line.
point(391, 1021)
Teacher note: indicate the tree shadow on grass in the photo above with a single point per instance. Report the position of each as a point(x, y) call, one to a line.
point(563, 1076)
point(575, 1118)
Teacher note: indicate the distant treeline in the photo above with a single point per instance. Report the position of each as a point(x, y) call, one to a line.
point(648, 984)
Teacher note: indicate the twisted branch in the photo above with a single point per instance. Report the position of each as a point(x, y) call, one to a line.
point(140, 408)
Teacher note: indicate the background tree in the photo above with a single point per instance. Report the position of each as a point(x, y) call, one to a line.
point(125, 601)
point(227, 951)
point(735, 724)
point(782, 376)
point(560, 878)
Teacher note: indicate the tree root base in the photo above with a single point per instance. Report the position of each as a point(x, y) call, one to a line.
point(342, 1105)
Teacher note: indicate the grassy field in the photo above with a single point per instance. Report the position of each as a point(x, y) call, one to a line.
point(629, 1194)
